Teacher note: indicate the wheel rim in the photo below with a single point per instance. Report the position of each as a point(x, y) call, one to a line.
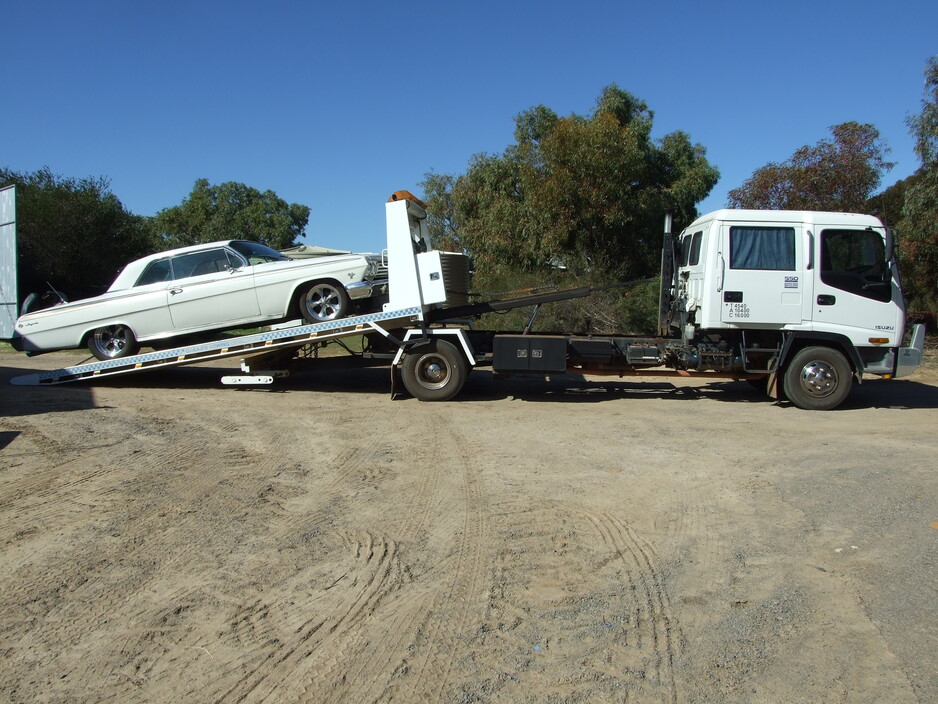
point(432, 371)
point(818, 379)
point(111, 340)
point(324, 302)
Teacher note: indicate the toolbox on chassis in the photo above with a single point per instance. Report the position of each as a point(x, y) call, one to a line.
point(801, 303)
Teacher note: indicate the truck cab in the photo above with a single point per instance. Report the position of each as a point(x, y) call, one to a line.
point(770, 283)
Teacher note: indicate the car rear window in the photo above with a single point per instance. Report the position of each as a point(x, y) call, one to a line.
point(257, 253)
point(156, 272)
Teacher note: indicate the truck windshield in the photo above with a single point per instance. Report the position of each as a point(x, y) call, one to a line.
point(855, 261)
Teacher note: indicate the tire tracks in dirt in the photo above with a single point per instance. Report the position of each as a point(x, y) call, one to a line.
point(541, 618)
point(459, 598)
point(303, 630)
point(120, 587)
point(700, 531)
point(281, 662)
point(414, 604)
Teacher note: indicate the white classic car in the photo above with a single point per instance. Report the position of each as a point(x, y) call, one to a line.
point(207, 287)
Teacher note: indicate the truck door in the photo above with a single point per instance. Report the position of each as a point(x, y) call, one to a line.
point(855, 289)
point(762, 281)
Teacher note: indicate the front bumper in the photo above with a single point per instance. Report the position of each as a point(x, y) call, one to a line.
point(909, 358)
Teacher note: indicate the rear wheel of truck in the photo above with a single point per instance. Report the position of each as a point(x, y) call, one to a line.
point(818, 379)
point(434, 371)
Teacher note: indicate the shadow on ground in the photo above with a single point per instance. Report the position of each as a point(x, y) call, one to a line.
point(335, 375)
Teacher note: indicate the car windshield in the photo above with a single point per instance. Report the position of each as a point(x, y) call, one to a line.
point(257, 253)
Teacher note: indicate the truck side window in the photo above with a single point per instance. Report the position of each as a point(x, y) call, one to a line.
point(855, 261)
point(762, 248)
point(685, 251)
point(690, 250)
point(695, 249)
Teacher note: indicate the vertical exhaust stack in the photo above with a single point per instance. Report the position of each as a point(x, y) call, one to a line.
point(667, 278)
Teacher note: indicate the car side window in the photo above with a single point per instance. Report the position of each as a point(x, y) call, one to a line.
point(156, 272)
point(199, 263)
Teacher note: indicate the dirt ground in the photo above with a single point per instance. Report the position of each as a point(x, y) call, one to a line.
point(167, 539)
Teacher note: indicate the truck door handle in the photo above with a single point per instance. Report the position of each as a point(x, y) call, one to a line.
point(826, 300)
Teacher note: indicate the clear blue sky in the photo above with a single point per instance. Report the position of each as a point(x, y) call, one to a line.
point(336, 105)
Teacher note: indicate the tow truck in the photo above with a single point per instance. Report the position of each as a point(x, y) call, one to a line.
point(801, 304)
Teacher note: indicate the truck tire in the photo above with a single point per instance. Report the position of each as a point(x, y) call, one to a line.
point(434, 371)
point(818, 379)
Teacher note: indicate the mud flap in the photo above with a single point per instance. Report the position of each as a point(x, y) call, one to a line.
point(397, 386)
point(771, 385)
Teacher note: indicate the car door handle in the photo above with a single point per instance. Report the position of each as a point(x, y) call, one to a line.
point(174, 291)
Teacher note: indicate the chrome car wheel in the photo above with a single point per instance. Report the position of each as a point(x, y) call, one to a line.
point(323, 302)
point(112, 342)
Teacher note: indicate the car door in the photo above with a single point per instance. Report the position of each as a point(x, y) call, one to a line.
point(762, 279)
point(211, 288)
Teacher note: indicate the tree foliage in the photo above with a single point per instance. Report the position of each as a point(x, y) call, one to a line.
point(231, 211)
point(587, 192)
point(918, 229)
point(838, 174)
point(441, 216)
point(72, 234)
point(888, 204)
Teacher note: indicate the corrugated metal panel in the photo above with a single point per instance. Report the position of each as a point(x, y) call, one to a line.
point(457, 276)
point(8, 302)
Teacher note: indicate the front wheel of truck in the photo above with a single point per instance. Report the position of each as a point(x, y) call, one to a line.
point(818, 379)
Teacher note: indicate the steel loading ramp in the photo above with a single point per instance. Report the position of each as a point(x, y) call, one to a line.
point(245, 346)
